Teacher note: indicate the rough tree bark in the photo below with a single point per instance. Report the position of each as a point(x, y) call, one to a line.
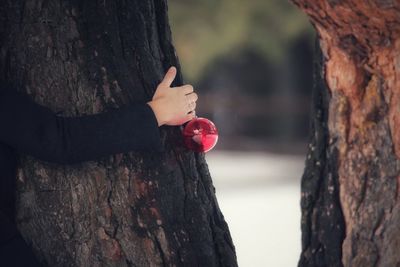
point(350, 188)
point(135, 209)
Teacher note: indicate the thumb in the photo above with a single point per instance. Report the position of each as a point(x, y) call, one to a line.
point(169, 77)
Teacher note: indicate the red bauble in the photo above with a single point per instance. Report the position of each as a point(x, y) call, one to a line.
point(200, 135)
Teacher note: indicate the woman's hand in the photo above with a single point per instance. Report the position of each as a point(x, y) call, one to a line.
point(173, 105)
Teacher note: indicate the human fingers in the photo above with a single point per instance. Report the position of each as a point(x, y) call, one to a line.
point(190, 116)
point(193, 97)
point(192, 106)
point(169, 77)
point(187, 89)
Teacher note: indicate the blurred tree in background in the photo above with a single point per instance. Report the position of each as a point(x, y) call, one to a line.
point(204, 30)
point(251, 62)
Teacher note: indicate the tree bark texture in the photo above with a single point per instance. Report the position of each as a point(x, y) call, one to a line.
point(350, 187)
point(134, 209)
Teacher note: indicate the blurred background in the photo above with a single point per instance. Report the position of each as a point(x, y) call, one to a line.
point(251, 65)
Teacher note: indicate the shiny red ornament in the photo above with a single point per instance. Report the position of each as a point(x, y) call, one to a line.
point(200, 135)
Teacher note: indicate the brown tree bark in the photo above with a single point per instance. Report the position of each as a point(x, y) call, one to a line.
point(135, 209)
point(350, 188)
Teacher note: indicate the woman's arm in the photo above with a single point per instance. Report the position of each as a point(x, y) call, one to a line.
point(35, 130)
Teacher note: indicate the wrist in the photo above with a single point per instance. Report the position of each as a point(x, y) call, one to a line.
point(157, 112)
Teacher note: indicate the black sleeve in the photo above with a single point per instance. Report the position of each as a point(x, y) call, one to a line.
point(35, 130)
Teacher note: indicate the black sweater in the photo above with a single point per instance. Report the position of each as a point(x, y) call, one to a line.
point(29, 128)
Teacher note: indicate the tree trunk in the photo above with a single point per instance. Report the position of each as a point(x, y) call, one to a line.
point(135, 209)
point(350, 188)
